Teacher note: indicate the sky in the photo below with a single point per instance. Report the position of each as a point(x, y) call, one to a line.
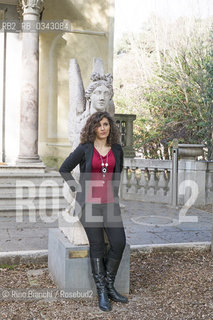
point(130, 14)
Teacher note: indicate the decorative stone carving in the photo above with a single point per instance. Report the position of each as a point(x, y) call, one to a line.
point(32, 6)
point(100, 84)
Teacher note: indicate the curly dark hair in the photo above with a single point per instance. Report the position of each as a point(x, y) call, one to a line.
point(88, 132)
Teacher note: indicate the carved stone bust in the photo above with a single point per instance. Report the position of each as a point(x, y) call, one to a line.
point(100, 92)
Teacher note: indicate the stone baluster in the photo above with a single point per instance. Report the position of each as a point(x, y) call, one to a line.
point(152, 184)
point(123, 133)
point(168, 180)
point(133, 182)
point(161, 184)
point(125, 180)
point(168, 187)
point(142, 182)
point(28, 146)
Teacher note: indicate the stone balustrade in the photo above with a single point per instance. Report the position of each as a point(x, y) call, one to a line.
point(150, 180)
point(146, 180)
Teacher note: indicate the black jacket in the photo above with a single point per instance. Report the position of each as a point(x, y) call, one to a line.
point(82, 155)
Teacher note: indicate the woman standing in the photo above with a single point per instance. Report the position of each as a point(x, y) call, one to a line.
point(100, 157)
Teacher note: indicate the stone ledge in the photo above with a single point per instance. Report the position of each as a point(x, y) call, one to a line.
point(200, 246)
point(41, 256)
point(19, 168)
point(23, 257)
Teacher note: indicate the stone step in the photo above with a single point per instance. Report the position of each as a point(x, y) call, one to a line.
point(49, 184)
point(30, 172)
point(15, 189)
point(46, 210)
point(33, 214)
point(31, 193)
point(26, 192)
point(36, 178)
point(36, 201)
point(28, 181)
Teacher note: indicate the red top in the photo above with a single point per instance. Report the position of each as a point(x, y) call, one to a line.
point(100, 188)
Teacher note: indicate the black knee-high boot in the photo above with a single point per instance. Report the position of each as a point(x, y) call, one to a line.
point(111, 271)
point(99, 273)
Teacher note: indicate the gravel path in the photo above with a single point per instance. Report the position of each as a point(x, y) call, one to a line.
point(164, 286)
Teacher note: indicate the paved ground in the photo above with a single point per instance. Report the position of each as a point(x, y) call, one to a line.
point(145, 223)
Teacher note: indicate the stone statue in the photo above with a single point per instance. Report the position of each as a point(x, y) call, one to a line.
point(97, 97)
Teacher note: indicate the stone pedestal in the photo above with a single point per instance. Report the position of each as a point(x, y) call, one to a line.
point(192, 182)
point(70, 266)
point(190, 151)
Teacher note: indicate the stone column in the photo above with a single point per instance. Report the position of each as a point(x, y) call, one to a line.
point(128, 119)
point(28, 143)
point(129, 130)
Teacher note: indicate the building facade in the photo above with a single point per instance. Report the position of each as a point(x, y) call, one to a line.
point(34, 72)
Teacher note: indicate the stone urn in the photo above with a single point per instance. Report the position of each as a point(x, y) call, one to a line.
point(190, 151)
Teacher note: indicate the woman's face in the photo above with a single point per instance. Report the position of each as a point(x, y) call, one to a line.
point(102, 131)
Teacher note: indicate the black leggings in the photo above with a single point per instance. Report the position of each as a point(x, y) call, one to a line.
point(109, 219)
